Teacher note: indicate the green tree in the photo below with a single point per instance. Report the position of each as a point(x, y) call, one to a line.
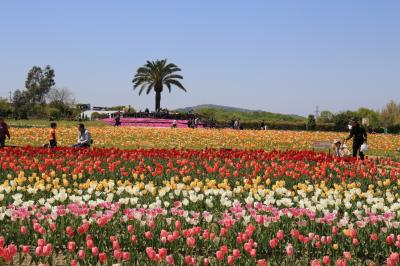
point(343, 118)
point(311, 123)
point(5, 107)
point(390, 114)
point(154, 75)
point(325, 117)
point(371, 115)
point(38, 83)
point(22, 104)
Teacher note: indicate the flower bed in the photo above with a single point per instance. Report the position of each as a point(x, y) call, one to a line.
point(149, 122)
point(197, 207)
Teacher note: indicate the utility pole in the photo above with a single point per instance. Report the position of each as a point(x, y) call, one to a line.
point(10, 96)
point(317, 112)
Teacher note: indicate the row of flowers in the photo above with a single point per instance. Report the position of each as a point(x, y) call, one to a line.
point(131, 137)
point(281, 208)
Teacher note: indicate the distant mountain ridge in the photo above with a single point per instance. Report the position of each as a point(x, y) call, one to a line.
point(224, 112)
point(219, 107)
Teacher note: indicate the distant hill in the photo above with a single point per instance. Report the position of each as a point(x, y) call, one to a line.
point(225, 113)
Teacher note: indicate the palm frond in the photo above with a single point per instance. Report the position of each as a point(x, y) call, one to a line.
point(177, 84)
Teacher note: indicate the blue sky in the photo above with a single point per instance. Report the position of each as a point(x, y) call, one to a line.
point(280, 56)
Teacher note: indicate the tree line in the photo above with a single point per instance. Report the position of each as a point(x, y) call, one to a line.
point(40, 98)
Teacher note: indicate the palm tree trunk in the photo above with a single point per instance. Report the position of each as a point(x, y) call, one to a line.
point(158, 100)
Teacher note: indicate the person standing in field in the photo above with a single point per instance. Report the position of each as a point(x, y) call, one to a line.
point(3, 132)
point(359, 135)
point(52, 135)
point(117, 119)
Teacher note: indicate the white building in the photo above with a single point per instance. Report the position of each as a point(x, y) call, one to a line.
point(89, 113)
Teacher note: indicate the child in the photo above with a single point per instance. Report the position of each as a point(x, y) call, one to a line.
point(340, 149)
point(336, 147)
point(52, 136)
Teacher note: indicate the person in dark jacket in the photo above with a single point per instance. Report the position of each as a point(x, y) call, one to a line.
point(359, 135)
point(3, 132)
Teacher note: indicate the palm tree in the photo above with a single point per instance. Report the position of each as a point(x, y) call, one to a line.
point(154, 75)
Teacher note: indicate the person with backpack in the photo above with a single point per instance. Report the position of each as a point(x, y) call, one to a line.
point(359, 136)
point(3, 132)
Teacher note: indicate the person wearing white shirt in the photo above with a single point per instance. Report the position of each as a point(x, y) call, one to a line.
point(84, 137)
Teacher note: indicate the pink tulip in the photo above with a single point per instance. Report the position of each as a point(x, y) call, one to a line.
point(355, 242)
point(178, 224)
point(70, 231)
point(162, 252)
point(71, 246)
point(253, 253)
point(395, 257)
point(326, 260)
point(206, 261)
point(115, 245)
point(315, 263)
point(223, 231)
point(89, 243)
point(23, 230)
point(131, 229)
point(147, 235)
point(133, 239)
point(374, 237)
point(219, 255)
point(117, 254)
point(95, 251)
point(289, 250)
point(224, 249)
point(189, 260)
point(102, 257)
point(191, 242)
point(273, 243)
point(347, 255)
point(341, 262)
point(261, 262)
point(280, 235)
point(41, 242)
point(390, 239)
point(39, 251)
point(231, 260)
point(81, 254)
point(170, 260)
point(236, 253)
point(53, 227)
point(47, 250)
point(25, 249)
point(126, 256)
point(74, 263)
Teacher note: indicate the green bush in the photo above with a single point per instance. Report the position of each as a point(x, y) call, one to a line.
point(394, 129)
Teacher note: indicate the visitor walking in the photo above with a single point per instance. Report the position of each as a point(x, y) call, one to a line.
point(84, 137)
point(174, 124)
point(359, 135)
point(117, 119)
point(3, 132)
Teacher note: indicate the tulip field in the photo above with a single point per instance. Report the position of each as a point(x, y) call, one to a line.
point(196, 197)
point(183, 138)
